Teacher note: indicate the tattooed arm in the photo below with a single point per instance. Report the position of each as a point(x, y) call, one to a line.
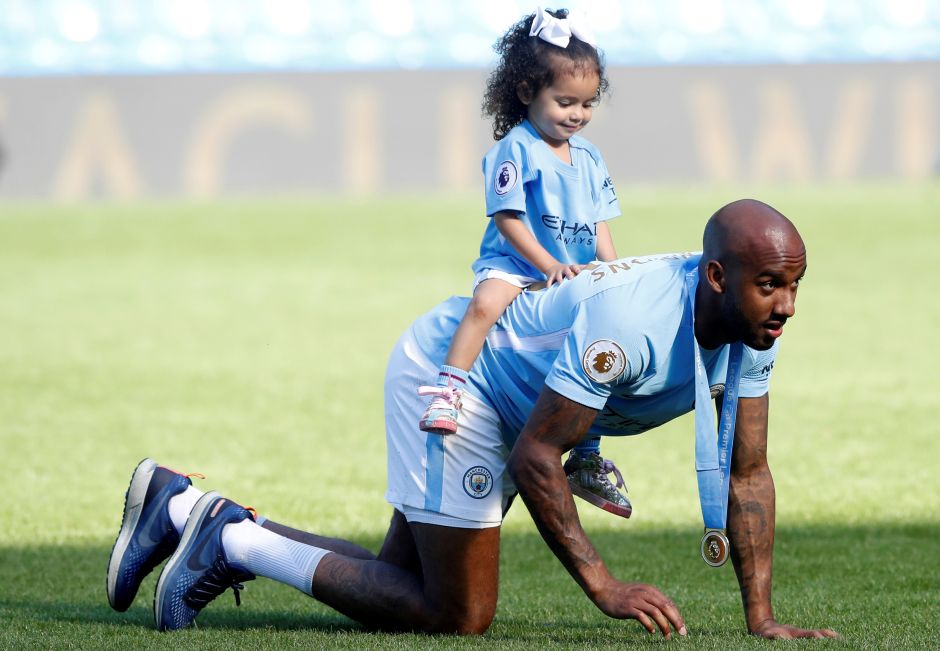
point(555, 425)
point(751, 519)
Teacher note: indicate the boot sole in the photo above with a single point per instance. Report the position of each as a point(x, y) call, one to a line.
point(600, 502)
point(133, 503)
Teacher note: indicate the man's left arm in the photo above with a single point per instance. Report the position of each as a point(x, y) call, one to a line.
point(751, 519)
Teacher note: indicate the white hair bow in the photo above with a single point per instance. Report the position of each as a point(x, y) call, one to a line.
point(558, 31)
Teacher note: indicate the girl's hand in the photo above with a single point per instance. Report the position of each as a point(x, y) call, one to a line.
point(558, 272)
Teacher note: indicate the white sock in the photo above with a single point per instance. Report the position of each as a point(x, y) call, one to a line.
point(180, 506)
point(265, 553)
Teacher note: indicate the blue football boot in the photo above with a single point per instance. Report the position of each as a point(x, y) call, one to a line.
point(198, 571)
point(147, 536)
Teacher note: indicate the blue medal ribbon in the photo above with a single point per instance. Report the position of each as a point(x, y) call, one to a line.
point(713, 447)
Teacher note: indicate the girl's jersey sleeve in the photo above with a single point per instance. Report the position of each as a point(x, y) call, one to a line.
point(505, 172)
point(607, 206)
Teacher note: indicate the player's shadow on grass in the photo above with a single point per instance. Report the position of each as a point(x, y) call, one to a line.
point(824, 576)
point(538, 600)
point(67, 583)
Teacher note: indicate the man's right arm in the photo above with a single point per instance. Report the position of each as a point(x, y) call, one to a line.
point(555, 425)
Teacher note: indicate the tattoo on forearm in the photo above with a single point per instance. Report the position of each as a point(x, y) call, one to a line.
point(556, 423)
point(752, 514)
point(554, 418)
point(751, 511)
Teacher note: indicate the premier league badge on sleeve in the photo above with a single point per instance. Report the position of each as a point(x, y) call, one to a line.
point(604, 361)
point(506, 177)
point(715, 547)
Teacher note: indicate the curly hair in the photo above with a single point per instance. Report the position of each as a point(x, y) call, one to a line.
point(530, 61)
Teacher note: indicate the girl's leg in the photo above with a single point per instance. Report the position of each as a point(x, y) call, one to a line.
point(490, 299)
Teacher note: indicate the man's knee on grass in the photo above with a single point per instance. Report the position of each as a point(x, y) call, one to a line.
point(463, 619)
point(461, 577)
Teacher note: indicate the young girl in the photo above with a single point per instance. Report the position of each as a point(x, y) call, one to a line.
point(549, 195)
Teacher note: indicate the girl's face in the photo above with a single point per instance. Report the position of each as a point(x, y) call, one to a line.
point(561, 110)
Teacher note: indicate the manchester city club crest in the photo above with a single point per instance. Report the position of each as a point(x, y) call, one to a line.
point(506, 177)
point(478, 482)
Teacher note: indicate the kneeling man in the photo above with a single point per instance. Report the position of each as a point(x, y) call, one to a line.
point(622, 348)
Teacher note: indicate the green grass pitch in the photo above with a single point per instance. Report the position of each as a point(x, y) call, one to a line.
point(247, 341)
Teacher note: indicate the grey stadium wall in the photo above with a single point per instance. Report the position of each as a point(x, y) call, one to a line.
point(127, 137)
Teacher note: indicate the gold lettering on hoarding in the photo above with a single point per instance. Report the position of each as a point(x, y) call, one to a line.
point(457, 127)
point(232, 113)
point(782, 147)
point(916, 145)
point(713, 131)
point(97, 149)
point(362, 141)
point(851, 124)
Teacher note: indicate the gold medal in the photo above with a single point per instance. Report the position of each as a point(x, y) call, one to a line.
point(715, 547)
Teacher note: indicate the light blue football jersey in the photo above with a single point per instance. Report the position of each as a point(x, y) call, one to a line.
point(616, 338)
point(559, 203)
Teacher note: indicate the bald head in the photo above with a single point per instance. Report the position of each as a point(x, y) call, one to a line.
point(748, 230)
point(752, 261)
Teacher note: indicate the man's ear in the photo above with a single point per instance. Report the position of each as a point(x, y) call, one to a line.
point(715, 276)
point(524, 92)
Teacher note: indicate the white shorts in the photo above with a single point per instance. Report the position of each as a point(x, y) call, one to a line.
point(518, 281)
point(456, 480)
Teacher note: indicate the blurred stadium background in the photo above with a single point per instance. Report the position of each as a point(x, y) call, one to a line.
point(209, 98)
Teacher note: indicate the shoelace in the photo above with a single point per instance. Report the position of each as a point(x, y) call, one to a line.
point(187, 475)
point(608, 467)
point(450, 395)
point(217, 579)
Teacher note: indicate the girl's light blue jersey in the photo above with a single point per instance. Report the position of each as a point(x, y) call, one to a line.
point(559, 203)
point(617, 338)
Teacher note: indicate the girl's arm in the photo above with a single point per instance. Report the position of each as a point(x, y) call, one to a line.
point(522, 239)
point(605, 244)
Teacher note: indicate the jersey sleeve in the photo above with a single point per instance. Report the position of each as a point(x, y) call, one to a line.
point(606, 204)
point(505, 171)
point(599, 352)
point(609, 204)
point(755, 380)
